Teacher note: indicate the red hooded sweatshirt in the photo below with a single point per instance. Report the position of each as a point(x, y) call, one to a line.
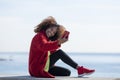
point(38, 55)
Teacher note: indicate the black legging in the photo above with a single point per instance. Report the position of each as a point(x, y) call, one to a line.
point(60, 71)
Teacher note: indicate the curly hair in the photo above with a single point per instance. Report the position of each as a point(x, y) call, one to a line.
point(47, 23)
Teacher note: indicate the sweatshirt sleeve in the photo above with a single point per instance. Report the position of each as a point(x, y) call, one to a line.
point(45, 45)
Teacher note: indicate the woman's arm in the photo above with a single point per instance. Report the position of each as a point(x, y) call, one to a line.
point(45, 45)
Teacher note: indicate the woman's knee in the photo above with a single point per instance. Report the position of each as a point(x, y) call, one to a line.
point(68, 72)
point(60, 52)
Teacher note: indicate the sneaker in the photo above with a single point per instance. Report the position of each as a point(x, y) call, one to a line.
point(84, 71)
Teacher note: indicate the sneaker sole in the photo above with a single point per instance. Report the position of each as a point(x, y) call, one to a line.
point(85, 74)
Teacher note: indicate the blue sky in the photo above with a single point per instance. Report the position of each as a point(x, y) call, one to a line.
point(93, 24)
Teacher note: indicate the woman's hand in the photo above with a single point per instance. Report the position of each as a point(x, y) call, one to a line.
point(64, 37)
point(62, 40)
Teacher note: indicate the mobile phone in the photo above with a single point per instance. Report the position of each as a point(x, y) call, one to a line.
point(66, 34)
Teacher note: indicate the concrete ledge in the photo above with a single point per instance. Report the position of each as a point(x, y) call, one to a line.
point(57, 78)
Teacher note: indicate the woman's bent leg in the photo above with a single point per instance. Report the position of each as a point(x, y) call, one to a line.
point(64, 57)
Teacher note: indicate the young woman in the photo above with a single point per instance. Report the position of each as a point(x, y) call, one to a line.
point(45, 52)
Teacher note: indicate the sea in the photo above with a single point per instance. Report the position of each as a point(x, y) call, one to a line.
point(105, 64)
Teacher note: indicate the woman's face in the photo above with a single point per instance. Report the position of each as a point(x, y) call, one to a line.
point(51, 31)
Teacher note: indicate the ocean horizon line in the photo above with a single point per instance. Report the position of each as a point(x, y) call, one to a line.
point(105, 53)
